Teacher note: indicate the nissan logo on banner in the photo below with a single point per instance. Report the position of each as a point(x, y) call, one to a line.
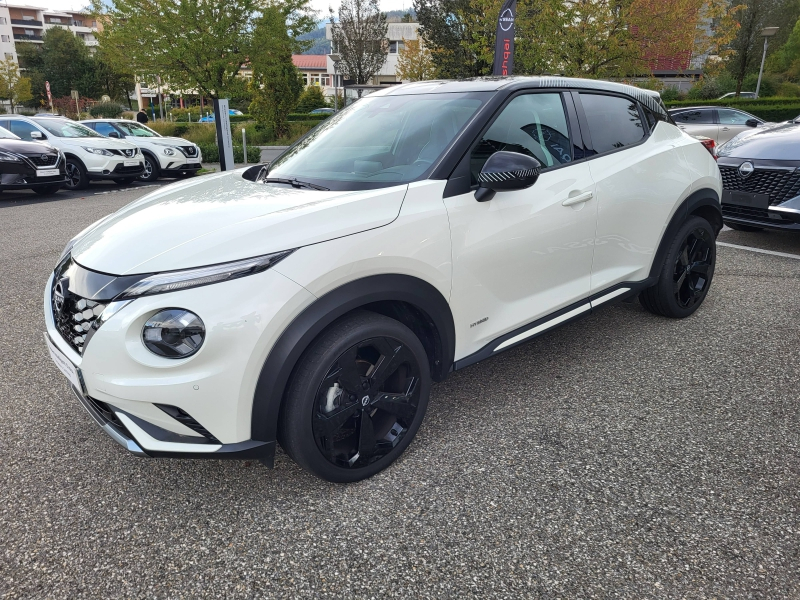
point(504, 45)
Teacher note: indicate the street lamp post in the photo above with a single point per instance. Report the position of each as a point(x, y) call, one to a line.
point(335, 58)
point(767, 32)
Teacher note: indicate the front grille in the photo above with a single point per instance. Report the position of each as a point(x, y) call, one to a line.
point(189, 150)
point(126, 153)
point(43, 160)
point(778, 184)
point(122, 169)
point(74, 316)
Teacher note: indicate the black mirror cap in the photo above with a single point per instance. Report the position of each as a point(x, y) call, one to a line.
point(752, 123)
point(505, 171)
point(114, 134)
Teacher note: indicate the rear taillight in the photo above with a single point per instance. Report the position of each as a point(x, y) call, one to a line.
point(711, 146)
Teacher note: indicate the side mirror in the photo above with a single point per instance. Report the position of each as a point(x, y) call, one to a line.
point(37, 135)
point(114, 134)
point(505, 171)
point(751, 123)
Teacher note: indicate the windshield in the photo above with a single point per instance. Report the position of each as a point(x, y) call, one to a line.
point(5, 134)
point(136, 129)
point(383, 140)
point(66, 129)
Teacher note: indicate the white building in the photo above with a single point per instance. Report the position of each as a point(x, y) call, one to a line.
point(26, 23)
point(396, 33)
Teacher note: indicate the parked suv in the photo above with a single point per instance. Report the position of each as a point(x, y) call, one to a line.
point(719, 124)
point(30, 165)
point(89, 155)
point(425, 228)
point(168, 156)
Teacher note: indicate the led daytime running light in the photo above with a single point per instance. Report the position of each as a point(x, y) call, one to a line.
point(173, 281)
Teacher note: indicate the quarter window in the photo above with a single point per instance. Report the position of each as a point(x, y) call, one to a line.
point(614, 122)
point(533, 124)
point(695, 116)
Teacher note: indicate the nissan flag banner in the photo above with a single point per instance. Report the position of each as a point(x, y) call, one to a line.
point(504, 47)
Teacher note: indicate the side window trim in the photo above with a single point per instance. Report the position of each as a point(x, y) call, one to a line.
point(585, 122)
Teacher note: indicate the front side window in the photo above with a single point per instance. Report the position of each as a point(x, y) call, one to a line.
point(533, 124)
point(104, 128)
point(614, 122)
point(67, 129)
point(22, 129)
point(695, 116)
point(733, 117)
point(379, 140)
point(136, 129)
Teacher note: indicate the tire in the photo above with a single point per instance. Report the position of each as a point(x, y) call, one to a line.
point(749, 228)
point(47, 189)
point(76, 176)
point(125, 180)
point(152, 170)
point(686, 274)
point(379, 409)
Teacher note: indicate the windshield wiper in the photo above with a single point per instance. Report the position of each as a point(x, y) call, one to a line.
point(295, 183)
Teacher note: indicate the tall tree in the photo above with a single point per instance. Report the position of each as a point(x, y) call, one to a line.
point(13, 87)
point(276, 84)
point(66, 63)
point(414, 63)
point(112, 79)
point(749, 44)
point(359, 37)
point(30, 59)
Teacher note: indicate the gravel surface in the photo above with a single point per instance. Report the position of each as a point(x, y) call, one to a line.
point(621, 456)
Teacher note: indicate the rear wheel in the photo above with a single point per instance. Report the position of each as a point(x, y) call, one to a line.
point(47, 189)
point(76, 175)
point(687, 272)
point(738, 227)
point(357, 398)
point(152, 170)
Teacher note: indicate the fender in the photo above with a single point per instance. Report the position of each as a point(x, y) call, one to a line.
point(426, 310)
point(704, 203)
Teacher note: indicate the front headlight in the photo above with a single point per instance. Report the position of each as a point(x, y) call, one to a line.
point(174, 333)
point(8, 157)
point(169, 151)
point(173, 281)
point(100, 151)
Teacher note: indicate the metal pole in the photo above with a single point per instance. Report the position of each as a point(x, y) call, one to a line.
point(244, 144)
point(761, 70)
point(335, 88)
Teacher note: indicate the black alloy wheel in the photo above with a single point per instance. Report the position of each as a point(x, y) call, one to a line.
point(76, 176)
point(686, 274)
point(357, 398)
point(691, 273)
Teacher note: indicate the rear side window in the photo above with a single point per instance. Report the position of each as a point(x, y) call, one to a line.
point(533, 124)
point(614, 122)
point(694, 116)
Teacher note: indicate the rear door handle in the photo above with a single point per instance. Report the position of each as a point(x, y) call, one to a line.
point(584, 197)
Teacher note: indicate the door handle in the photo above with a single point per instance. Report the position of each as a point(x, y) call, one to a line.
point(584, 197)
point(725, 129)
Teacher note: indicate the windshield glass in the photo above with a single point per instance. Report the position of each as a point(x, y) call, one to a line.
point(136, 129)
point(379, 140)
point(5, 134)
point(66, 129)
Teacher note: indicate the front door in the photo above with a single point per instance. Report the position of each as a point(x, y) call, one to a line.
point(731, 123)
point(522, 254)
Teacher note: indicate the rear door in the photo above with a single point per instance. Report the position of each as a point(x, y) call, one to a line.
point(698, 121)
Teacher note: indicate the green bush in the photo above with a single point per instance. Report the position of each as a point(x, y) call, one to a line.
point(670, 94)
point(182, 114)
point(306, 117)
point(311, 98)
point(769, 84)
point(211, 154)
point(106, 110)
point(789, 90)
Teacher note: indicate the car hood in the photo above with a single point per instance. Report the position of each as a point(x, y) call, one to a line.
point(27, 148)
point(97, 142)
point(171, 141)
point(224, 217)
point(778, 141)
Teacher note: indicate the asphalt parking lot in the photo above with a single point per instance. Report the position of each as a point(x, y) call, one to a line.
point(624, 456)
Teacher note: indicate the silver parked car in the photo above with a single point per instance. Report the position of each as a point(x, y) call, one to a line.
point(719, 124)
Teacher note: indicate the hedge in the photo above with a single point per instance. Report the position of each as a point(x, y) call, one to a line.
point(306, 117)
point(211, 154)
point(769, 109)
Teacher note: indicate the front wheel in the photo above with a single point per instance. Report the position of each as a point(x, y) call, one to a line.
point(152, 170)
point(357, 398)
point(76, 176)
point(686, 274)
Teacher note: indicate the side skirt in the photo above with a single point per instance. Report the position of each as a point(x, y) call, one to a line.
point(568, 314)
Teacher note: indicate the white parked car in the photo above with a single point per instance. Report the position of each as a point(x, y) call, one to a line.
point(163, 156)
point(89, 155)
point(425, 228)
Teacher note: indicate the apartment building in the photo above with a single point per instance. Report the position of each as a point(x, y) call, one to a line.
point(25, 23)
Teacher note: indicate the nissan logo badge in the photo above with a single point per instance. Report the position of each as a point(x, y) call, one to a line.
point(58, 296)
point(746, 168)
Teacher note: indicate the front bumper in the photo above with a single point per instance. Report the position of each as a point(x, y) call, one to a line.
point(118, 171)
point(176, 168)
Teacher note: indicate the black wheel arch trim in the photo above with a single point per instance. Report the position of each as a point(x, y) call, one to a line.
point(384, 294)
point(704, 203)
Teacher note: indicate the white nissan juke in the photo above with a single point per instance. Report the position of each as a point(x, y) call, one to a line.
point(429, 226)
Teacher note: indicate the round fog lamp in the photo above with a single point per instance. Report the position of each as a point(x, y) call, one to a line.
point(174, 333)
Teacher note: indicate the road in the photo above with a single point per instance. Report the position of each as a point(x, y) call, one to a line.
point(624, 455)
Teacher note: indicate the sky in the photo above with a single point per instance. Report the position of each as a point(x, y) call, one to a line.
point(319, 5)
